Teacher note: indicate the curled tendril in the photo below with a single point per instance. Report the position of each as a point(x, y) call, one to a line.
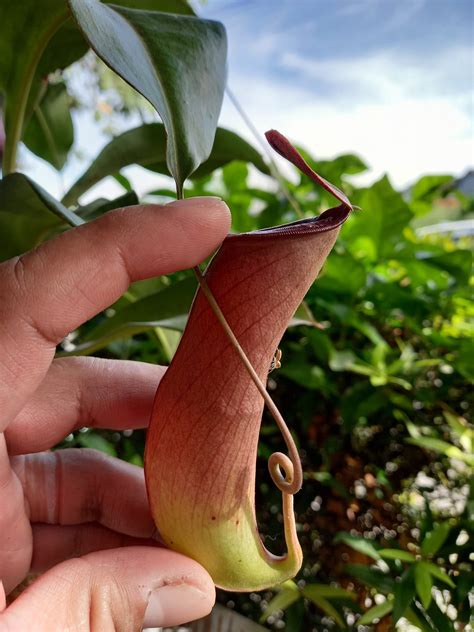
point(291, 480)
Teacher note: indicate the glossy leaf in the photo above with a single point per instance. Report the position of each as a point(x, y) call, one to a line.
point(28, 214)
point(205, 424)
point(146, 146)
point(25, 30)
point(50, 133)
point(375, 613)
point(98, 207)
point(423, 583)
point(37, 38)
point(176, 62)
point(167, 308)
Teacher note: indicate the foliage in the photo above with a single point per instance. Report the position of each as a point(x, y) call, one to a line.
point(376, 368)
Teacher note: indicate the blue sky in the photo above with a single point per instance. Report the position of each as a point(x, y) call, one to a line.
point(390, 80)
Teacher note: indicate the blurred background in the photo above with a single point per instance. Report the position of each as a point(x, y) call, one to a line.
point(376, 382)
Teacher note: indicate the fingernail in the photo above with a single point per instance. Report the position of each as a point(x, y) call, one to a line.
point(175, 604)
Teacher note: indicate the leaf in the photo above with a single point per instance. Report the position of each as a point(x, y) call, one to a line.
point(325, 605)
point(50, 133)
point(440, 574)
point(358, 543)
point(441, 621)
point(25, 30)
point(167, 308)
point(288, 595)
point(96, 441)
point(427, 188)
point(176, 62)
point(146, 146)
point(397, 554)
point(103, 205)
point(377, 612)
point(28, 214)
point(375, 233)
point(423, 583)
point(371, 577)
point(438, 445)
point(435, 539)
point(404, 593)
point(323, 590)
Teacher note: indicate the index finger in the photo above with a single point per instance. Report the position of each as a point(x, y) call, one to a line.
point(51, 290)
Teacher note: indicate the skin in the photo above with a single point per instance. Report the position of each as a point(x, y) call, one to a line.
point(78, 517)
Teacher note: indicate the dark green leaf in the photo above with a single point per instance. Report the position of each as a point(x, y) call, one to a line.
point(25, 30)
point(102, 205)
point(176, 62)
point(167, 308)
point(404, 593)
point(146, 146)
point(377, 612)
point(28, 214)
point(441, 621)
point(50, 133)
point(423, 583)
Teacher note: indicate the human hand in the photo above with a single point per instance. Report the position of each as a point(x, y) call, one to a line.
point(65, 513)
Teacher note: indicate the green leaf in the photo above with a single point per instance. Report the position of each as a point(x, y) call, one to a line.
point(50, 133)
point(146, 146)
point(371, 577)
point(375, 233)
point(423, 583)
point(417, 618)
point(358, 543)
point(286, 596)
point(176, 62)
point(103, 205)
point(325, 605)
point(438, 445)
point(323, 590)
point(428, 187)
point(96, 441)
point(377, 612)
point(435, 539)
point(28, 214)
point(25, 30)
point(440, 574)
point(397, 554)
point(167, 308)
point(404, 593)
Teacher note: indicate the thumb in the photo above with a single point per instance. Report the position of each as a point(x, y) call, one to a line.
point(119, 589)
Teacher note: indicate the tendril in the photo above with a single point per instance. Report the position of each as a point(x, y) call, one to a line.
point(286, 471)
